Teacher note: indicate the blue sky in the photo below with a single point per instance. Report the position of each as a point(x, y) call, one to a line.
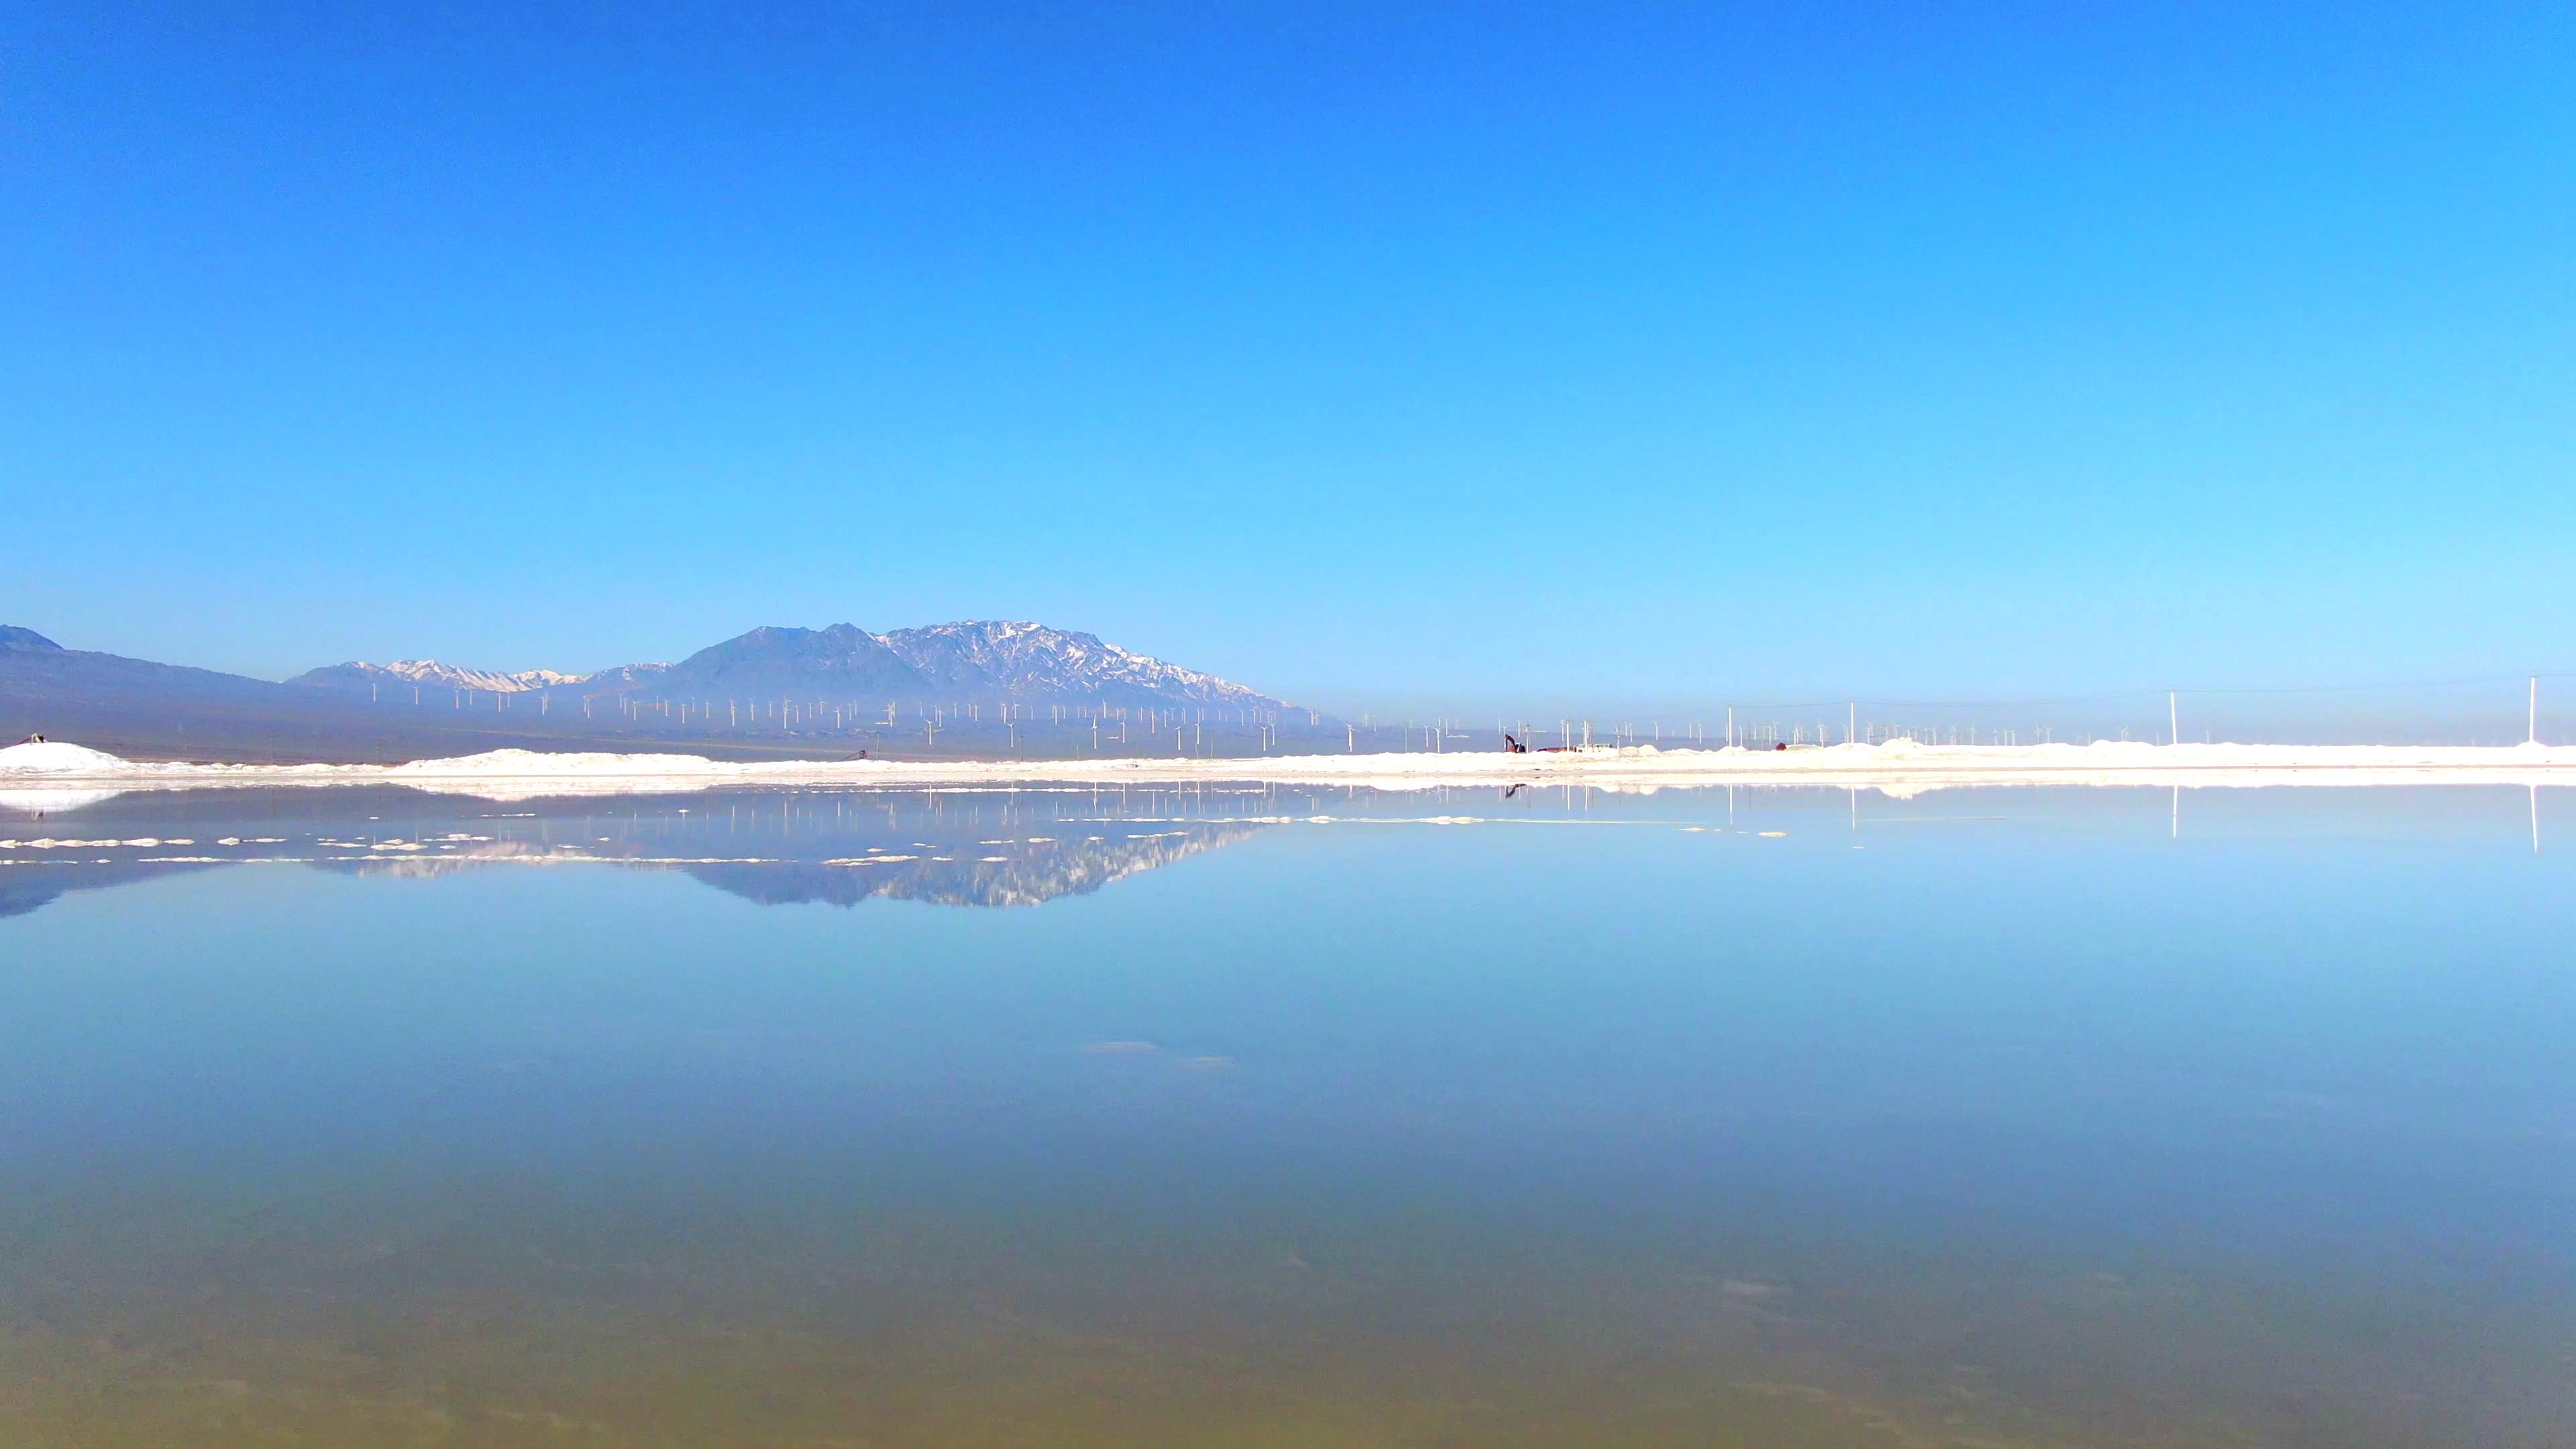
point(1402, 356)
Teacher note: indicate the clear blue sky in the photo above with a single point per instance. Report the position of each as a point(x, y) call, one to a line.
point(1397, 354)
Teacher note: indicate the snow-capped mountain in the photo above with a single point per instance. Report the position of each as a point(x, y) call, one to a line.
point(841, 662)
point(974, 659)
point(621, 679)
point(1019, 660)
point(358, 674)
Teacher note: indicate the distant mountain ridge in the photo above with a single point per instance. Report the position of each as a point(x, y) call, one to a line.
point(974, 659)
point(32, 664)
point(1025, 660)
point(971, 687)
point(358, 673)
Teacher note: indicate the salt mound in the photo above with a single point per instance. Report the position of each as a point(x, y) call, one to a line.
point(54, 757)
point(502, 763)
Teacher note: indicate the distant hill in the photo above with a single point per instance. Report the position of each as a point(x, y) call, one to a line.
point(29, 661)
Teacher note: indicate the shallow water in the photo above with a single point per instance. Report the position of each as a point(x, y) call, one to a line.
point(1287, 1117)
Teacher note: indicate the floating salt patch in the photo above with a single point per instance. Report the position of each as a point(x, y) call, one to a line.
point(1773, 834)
point(990, 859)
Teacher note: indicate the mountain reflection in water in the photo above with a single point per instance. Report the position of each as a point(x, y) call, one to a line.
point(989, 850)
point(1065, 868)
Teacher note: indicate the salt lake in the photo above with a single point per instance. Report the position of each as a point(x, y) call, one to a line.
point(1242, 1114)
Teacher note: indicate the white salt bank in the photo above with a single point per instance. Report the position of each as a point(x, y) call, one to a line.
point(54, 757)
point(1897, 768)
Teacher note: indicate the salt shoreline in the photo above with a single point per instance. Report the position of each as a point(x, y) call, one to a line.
point(1898, 767)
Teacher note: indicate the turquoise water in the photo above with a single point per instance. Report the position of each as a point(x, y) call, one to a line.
point(1245, 1117)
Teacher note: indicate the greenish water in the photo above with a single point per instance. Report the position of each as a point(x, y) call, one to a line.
point(2000, 1117)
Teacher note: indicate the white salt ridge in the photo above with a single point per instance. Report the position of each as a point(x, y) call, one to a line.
point(1898, 767)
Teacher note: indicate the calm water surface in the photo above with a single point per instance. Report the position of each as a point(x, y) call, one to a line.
point(1996, 1118)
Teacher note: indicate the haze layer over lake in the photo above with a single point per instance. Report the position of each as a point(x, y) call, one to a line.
point(1267, 1115)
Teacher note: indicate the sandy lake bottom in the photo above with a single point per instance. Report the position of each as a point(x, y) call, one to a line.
point(1242, 1115)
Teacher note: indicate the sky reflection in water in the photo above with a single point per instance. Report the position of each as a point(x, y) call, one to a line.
point(1986, 1117)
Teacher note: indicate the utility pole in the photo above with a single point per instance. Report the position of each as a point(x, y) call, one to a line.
point(2173, 720)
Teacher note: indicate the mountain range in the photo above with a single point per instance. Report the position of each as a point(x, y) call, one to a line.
point(743, 695)
point(980, 660)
